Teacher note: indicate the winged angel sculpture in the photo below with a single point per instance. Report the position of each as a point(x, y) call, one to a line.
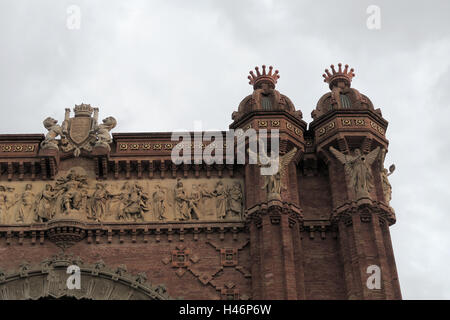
point(358, 170)
point(273, 184)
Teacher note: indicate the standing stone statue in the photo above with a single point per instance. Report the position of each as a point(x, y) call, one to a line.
point(45, 209)
point(358, 170)
point(54, 130)
point(273, 184)
point(387, 188)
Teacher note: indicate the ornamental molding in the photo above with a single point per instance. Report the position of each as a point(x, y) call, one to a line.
point(98, 282)
point(66, 233)
point(364, 208)
point(274, 209)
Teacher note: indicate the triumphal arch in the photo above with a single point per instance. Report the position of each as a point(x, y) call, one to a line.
point(139, 225)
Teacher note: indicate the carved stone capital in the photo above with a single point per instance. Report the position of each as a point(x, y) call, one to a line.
point(275, 209)
point(364, 208)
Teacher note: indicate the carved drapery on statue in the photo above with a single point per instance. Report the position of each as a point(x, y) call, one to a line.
point(275, 183)
point(387, 189)
point(77, 195)
point(358, 170)
point(81, 132)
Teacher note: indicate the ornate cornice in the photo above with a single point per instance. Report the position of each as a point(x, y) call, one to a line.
point(364, 208)
point(274, 209)
point(65, 233)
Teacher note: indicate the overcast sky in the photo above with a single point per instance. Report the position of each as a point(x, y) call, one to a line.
point(161, 65)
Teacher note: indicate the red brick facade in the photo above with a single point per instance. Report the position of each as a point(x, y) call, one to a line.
point(315, 242)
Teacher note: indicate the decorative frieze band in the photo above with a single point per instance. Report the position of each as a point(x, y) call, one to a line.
point(17, 148)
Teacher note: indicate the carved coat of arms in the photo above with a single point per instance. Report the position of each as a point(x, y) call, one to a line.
point(81, 132)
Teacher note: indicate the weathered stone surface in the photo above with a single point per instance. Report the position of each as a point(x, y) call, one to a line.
point(140, 226)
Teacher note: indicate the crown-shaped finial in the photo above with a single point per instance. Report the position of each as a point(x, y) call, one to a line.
point(83, 110)
point(340, 75)
point(260, 77)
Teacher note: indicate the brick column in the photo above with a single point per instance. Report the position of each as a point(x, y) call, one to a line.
point(364, 241)
point(276, 252)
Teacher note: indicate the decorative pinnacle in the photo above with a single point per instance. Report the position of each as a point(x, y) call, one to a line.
point(260, 77)
point(340, 75)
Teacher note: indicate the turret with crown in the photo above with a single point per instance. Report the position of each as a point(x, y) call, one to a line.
point(276, 213)
point(348, 141)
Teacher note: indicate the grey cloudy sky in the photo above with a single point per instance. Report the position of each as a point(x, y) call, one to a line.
point(161, 65)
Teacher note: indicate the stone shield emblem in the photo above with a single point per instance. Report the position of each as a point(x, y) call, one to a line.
point(80, 128)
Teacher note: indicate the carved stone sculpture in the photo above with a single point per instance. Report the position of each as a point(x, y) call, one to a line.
point(3, 204)
point(196, 197)
point(221, 200)
point(27, 202)
point(358, 170)
point(76, 195)
point(99, 202)
point(273, 184)
point(73, 191)
point(136, 204)
point(181, 202)
point(45, 209)
point(235, 200)
point(159, 203)
point(103, 136)
point(80, 132)
point(387, 189)
point(54, 130)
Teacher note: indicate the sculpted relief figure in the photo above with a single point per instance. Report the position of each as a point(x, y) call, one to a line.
point(358, 170)
point(73, 191)
point(159, 203)
point(54, 130)
point(122, 198)
point(235, 200)
point(181, 202)
point(74, 195)
point(98, 208)
point(135, 204)
point(27, 205)
point(194, 200)
point(45, 209)
point(221, 200)
point(5, 204)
